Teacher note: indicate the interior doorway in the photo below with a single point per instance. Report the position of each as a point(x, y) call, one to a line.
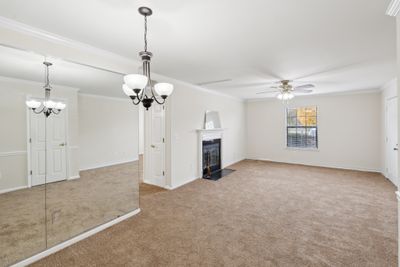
point(392, 140)
point(154, 146)
point(48, 148)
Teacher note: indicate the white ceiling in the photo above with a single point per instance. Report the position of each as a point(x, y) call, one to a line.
point(338, 45)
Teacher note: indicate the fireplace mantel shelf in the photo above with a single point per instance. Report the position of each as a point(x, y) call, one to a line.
point(211, 130)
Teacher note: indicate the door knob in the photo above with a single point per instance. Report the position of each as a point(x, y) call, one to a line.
point(395, 148)
point(62, 144)
point(153, 146)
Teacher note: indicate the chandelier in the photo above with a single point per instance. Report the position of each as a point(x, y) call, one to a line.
point(140, 87)
point(48, 106)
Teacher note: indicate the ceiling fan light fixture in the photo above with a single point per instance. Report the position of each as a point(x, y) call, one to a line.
point(285, 96)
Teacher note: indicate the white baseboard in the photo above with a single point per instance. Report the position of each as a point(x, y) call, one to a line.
point(107, 164)
point(74, 177)
point(233, 162)
point(182, 184)
point(320, 165)
point(13, 189)
point(74, 240)
point(154, 184)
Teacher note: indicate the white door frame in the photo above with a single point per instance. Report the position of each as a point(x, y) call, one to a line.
point(388, 149)
point(28, 136)
point(147, 149)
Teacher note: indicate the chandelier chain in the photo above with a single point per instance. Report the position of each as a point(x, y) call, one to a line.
point(145, 33)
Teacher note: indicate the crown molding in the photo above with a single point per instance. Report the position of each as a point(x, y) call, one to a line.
point(61, 40)
point(58, 39)
point(393, 8)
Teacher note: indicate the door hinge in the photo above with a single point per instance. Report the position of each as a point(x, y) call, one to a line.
point(163, 140)
point(30, 140)
point(163, 173)
point(31, 172)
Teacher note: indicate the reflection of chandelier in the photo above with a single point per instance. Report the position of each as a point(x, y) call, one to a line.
point(138, 86)
point(48, 106)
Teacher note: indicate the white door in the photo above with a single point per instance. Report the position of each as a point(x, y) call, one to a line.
point(155, 146)
point(391, 140)
point(37, 148)
point(50, 155)
point(56, 148)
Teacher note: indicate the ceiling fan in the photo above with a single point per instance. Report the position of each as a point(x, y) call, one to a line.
point(286, 90)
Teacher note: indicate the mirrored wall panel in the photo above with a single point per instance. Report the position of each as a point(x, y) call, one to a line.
point(69, 152)
point(22, 202)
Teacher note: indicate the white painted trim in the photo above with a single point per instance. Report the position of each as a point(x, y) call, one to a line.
point(55, 38)
point(393, 8)
point(74, 240)
point(154, 184)
point(38, 84)
point(13, 189)
point(398, 195)
point(182, 184)
point(123, 99)
point(319, 165)
point(13, 153)
point(232, 163)
point(108, 164)
point(74, 177)
point(58, 39)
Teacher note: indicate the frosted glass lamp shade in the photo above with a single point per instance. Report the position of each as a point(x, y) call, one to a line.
point(33, 104)
point(164, 89)
point(60, 105)
point(50, 104)
point(136, 81)
point(285, 96)
point(127, 90)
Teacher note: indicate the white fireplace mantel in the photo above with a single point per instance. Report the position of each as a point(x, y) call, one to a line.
point(205, 135)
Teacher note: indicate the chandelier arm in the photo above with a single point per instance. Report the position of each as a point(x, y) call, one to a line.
point(38, 112)
point(136, 103)
point(160, 103)
point(55, 111)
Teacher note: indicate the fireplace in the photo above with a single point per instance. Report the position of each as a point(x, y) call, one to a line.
point(211, 156)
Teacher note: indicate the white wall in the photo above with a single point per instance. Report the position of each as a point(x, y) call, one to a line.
point(186, 109)
point(349, 131)
point(108, 131)
point(13, 134)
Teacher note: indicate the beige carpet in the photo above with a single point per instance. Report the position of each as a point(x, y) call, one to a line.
point(264, 214)
point(72, 207)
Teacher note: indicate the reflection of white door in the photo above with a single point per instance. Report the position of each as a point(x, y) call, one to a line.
point(391, 140)
point(52, 129)
point(56, 148)
point(155, 146)
point(37, 148)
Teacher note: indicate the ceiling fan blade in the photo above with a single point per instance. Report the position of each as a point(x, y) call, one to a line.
point(267, 92)
point(214, 82)
point(305, 86)
point(303, 90)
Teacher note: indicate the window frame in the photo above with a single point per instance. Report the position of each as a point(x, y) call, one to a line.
point(316, 148)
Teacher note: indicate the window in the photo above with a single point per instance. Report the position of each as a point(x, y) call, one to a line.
point(301, 127)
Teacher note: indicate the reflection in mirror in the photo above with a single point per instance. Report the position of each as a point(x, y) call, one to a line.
point(22, 197)
point(211, 120)
point(84, 160)
point(92, 151)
